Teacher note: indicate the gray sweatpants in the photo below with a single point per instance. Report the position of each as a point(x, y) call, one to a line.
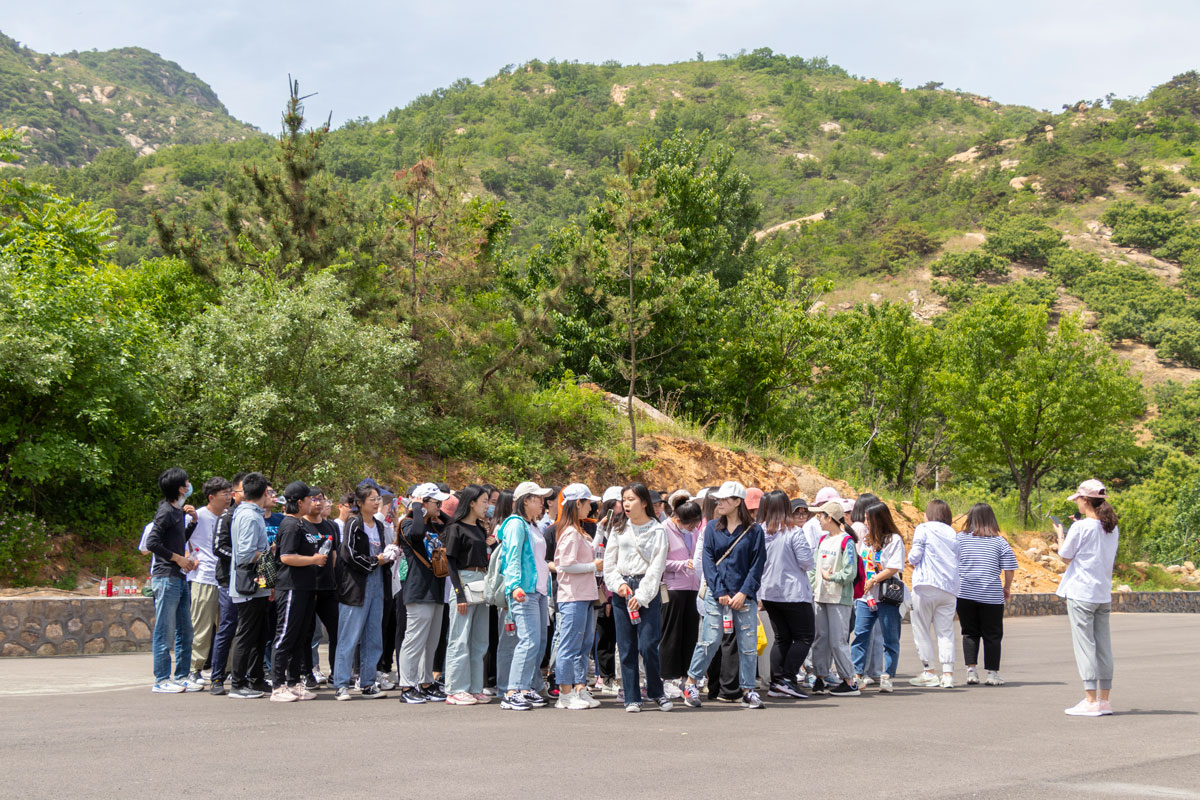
point(1093, 643)
point(832, 641)
point(420, 643)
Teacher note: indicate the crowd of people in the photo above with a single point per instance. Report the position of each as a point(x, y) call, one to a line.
point(556, 595)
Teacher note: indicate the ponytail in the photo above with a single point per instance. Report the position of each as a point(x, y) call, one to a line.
point(1104, 512)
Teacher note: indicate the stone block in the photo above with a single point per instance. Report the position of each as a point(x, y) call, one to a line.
point(74, 625)
point(140, 631)
point(14, 649)
point(116, 631)
point(10, 622)
point(53, 631)
point(47, 649)
point(96, 627)
point(94, 646)
point(29, 637)
point(68, 647)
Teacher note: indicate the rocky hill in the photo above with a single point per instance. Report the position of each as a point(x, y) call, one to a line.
point(71, 107)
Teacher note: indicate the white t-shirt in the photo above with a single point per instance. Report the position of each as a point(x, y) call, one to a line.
point(1088, 578)
point(200, 548)
point(890, 557)
point(142, 543)
point(538, 541)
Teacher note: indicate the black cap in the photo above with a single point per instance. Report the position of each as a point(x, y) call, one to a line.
point(799, 503)
point(298, 490)
point(655, 497)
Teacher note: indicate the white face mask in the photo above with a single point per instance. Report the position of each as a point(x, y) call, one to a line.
point(187, 492)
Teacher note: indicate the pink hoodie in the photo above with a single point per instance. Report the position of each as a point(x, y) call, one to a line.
point(571, 552)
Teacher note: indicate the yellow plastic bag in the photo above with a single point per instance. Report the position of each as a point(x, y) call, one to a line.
point(762, 638)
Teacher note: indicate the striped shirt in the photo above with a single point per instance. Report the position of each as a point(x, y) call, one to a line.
point(980, 561)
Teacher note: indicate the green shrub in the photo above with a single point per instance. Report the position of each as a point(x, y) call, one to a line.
point(24, 546)
point(970, 266)
point(1179, 339)
point(1023, 238)
point(1068, 265)
point(1147, 227)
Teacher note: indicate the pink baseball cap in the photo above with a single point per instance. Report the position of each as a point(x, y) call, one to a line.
point(847, 504)
point(1091, 488)
point(825, 495)
point(754, 497)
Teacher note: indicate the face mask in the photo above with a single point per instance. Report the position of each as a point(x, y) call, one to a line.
point(491, 511)
point(187, 492)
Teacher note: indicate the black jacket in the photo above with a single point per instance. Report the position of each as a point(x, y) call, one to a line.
point(169, 534)
point(354, 563)
point(223, 546)
point(420, 586)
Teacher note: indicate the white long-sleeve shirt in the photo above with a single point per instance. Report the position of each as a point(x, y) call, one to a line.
point(200, 548)
point(934, 557)
point(637, 550)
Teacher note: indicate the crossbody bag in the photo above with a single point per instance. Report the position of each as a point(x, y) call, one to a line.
point(704, 581)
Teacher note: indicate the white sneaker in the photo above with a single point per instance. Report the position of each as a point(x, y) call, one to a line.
point(572, 702)
point(386, 683)
point(947, 680)
point(671, 690)
point(586, 696)
point(282, 694)
point(972, 676)
point(167, 687)
point(993, 679)
point(319, 678)
point(924, 679)
point(190, 685)
point(885, 683)
point(1084, 709)
point(302, 693)
point(864, 681)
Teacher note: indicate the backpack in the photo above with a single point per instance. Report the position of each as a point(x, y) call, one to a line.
point(493, 584)
point(860, 577)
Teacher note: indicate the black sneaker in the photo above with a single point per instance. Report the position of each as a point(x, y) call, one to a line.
point(372, 692)
point(412, 696)
point(245, 693)
point(844, 690)
point(433, 693)
point(307, 682)
point(515, 701)
point(217, 688)
point(819, 686)
point(792, 690)
point(751, 699)
point(262, 686)
point(663, 704)
point(534, 699)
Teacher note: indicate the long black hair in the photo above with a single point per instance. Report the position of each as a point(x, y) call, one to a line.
point(774, 511)
point(643, 494)
point(880, 525)
point(861, 504)
point(466, 497)
point(504, 507)
point(1104, 512)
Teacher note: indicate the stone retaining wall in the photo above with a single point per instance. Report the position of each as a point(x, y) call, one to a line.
point(70, 626)
point(1040, 605)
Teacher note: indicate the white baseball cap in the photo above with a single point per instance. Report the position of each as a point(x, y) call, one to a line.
point(578, 491)
point(429, 491)
point(1091, 488)
point(730, 489)
point(611, 493)
point(529, 487)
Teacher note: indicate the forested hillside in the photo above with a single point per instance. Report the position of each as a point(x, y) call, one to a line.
point(916, 289)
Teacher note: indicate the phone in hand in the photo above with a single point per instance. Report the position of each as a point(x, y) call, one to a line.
point(1056, 520)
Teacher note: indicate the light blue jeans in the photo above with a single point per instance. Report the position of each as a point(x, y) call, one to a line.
point(363, 623)
point(745, 624)
point(875, 653)
point(466, 645)
point(888, 617)
point(172, 620)
point(575, 631)
point(533, 620)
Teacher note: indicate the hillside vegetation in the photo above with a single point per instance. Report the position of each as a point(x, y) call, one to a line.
point(436, 284)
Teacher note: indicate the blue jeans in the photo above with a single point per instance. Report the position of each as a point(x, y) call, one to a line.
point(226, 628)
point(864, 621)
point(745, 625)
point(576, 629)
point(172, 620)
point(466, 645)
point(875, 653)
point(533, 619)
point(360, 623)
point(644, 638)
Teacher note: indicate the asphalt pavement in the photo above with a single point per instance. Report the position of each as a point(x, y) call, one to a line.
point(90, 727)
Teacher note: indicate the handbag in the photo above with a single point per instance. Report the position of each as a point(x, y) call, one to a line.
point(703, 582)
point(245, 580)
point(473, 589)
point(891, 591)
point(267, 570)
point(437, 562)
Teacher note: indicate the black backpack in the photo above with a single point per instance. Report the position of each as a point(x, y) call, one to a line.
point(223, 546)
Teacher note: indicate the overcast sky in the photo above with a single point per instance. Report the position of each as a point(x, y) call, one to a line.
point(365, 57)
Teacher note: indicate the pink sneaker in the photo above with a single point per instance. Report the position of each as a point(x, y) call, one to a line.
point(461, 699)
point(1084, 709)
point(302, 692)
point(1106, 708)
point(482, 699)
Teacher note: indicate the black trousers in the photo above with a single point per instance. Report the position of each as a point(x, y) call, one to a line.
point(681, 628)
point(489, 659)
point(389, 627)
point(606, 644)
point(794, 626)
point(294, 619)
point(325, 608)
point(246, 657)
point(981, 620)
point(439, 654)
point(724, 671)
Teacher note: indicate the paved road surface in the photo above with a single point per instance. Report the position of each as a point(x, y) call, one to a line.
point(90, 727)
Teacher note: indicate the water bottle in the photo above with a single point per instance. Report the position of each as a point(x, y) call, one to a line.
point(325, 548)
point(635, 616)
point(510, 627)
point(727, 619)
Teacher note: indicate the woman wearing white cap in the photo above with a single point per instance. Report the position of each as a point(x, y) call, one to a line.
point(1089, 549)
point(833, 595)
point(527, 586)
point(575, 564)
point(734, 555)
point(424, 596)
point(634, 561)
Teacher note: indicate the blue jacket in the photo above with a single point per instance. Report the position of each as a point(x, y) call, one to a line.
point(742, 570)
point(516, 554)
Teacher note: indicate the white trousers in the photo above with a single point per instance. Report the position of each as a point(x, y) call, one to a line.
point(934, 608)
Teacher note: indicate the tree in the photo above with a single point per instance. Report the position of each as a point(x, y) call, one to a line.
point(1028, 400)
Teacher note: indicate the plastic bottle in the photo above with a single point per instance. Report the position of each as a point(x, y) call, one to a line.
point(510, 627)
point(727, 619)
point(325, 548)
point(635, 616)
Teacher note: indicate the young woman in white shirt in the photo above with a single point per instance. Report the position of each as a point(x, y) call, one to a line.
point(1089, 549)
point(882, 551)
point(934, 558)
